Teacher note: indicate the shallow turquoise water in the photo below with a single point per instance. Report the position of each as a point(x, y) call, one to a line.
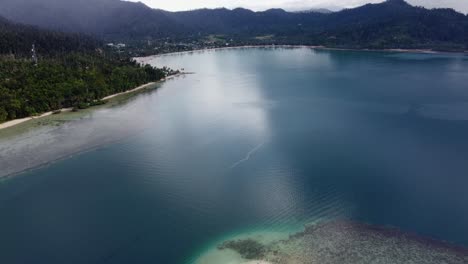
point(256, 139)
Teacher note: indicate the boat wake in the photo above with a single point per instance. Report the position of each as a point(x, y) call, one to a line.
point(249, 154)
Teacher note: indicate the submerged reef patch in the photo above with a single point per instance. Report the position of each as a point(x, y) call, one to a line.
point(248, 248)
point(351, 243)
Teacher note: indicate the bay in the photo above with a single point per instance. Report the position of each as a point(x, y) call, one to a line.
point(257, 140)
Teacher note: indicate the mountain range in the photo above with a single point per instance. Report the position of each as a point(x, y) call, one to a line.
point(391, 24)
point(316, 10)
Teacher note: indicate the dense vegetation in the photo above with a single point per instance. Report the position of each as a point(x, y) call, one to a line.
point(72, 71)
point(395, 24)
point(75, 80)
point(16, 40)
point(391, 24)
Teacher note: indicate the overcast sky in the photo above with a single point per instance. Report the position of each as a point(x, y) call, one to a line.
point(176, 5)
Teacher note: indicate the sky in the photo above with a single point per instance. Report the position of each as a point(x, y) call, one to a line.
point(292, 5)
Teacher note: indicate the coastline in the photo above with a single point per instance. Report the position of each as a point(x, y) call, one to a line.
point(16, 122)
point(129, 91)
point(417, 51)
point(143, 60)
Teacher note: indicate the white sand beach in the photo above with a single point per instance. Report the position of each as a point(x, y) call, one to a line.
point(130, 91)
point(22, 120)
point(141, 87)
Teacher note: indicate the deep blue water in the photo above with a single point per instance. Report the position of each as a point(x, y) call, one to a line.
point(257, 137)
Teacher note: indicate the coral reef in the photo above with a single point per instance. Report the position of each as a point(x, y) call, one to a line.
point(353, 243)
point(248, 248)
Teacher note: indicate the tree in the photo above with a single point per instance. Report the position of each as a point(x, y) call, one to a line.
point(3, 114)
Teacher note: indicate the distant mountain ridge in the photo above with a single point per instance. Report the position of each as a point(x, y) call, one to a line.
point(391, 24)
point(98, 17)
point(315, 10)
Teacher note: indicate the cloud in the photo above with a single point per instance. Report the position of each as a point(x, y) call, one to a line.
point(176, 5)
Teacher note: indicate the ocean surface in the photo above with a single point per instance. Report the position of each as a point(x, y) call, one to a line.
point(256, 140)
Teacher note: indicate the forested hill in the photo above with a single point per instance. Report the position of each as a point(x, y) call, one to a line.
point(104, 18)
point(395, 24)
point(17, 40)
point(391, 24)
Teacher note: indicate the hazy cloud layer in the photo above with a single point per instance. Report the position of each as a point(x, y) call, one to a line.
point(460, 5)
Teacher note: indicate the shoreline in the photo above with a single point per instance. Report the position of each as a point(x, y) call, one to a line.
point(416, 51)
point(129, 91)
point(15, 122)
point(19, 121)
point(142, 60)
